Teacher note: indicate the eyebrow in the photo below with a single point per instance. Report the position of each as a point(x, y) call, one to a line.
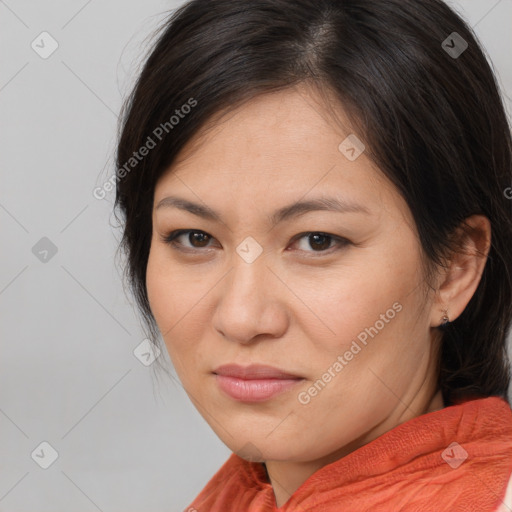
point(285, 213)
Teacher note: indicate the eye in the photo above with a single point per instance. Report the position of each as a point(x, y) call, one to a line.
point(320, 242)
point(197, 239)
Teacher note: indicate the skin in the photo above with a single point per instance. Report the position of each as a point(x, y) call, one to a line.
point(298, 307)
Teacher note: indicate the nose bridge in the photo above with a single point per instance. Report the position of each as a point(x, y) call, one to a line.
point(247, 285)
point(250, 270)
point(247, 305)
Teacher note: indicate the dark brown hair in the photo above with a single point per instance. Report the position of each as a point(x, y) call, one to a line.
point(427, 108)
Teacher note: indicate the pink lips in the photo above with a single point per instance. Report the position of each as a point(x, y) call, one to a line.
point(254, 383)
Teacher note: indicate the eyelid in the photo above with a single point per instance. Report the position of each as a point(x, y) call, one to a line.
point(339, 242)
point(171, 237)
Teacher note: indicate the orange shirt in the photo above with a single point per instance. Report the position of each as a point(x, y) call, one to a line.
point(413, 467)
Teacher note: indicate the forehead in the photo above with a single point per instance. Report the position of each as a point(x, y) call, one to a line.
point(278, 122)
point(280, 146)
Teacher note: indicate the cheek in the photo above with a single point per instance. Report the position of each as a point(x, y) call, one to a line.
point(157, 285)
point(172, 292)
point(378, 305)
point(174, 298)
point(348, 302)
point(166, 297)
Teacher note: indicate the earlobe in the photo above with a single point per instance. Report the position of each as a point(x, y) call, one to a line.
point(446, 319)
point(464, 270)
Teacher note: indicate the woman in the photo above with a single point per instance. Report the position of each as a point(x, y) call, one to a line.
point(316, 223)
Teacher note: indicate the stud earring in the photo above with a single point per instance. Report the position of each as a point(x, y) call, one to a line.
point(445, 320)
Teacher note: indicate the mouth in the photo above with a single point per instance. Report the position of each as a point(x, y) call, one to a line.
point(254, 383)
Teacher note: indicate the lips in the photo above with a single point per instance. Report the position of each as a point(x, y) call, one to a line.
point(254, 383)
point(254, 371)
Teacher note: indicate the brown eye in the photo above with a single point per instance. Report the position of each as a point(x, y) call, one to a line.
point(188, 239)
point(318, 242)
point(198, 238)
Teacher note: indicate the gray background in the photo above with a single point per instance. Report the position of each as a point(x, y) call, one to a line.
point(68, 374)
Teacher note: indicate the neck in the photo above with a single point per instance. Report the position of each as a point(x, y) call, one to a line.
point(287, 476)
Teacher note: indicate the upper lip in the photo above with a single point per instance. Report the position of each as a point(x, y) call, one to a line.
point(254, 371)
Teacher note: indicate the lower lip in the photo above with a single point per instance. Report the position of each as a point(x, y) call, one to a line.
point(254, 390)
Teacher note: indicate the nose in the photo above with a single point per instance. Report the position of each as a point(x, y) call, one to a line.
point(252, 304)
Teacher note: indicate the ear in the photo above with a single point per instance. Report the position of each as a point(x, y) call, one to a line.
point(459, 280)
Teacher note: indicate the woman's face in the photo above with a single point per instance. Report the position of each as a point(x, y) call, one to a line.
point(309, 264)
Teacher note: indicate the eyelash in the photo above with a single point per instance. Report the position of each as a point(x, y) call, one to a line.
point(173, 235)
